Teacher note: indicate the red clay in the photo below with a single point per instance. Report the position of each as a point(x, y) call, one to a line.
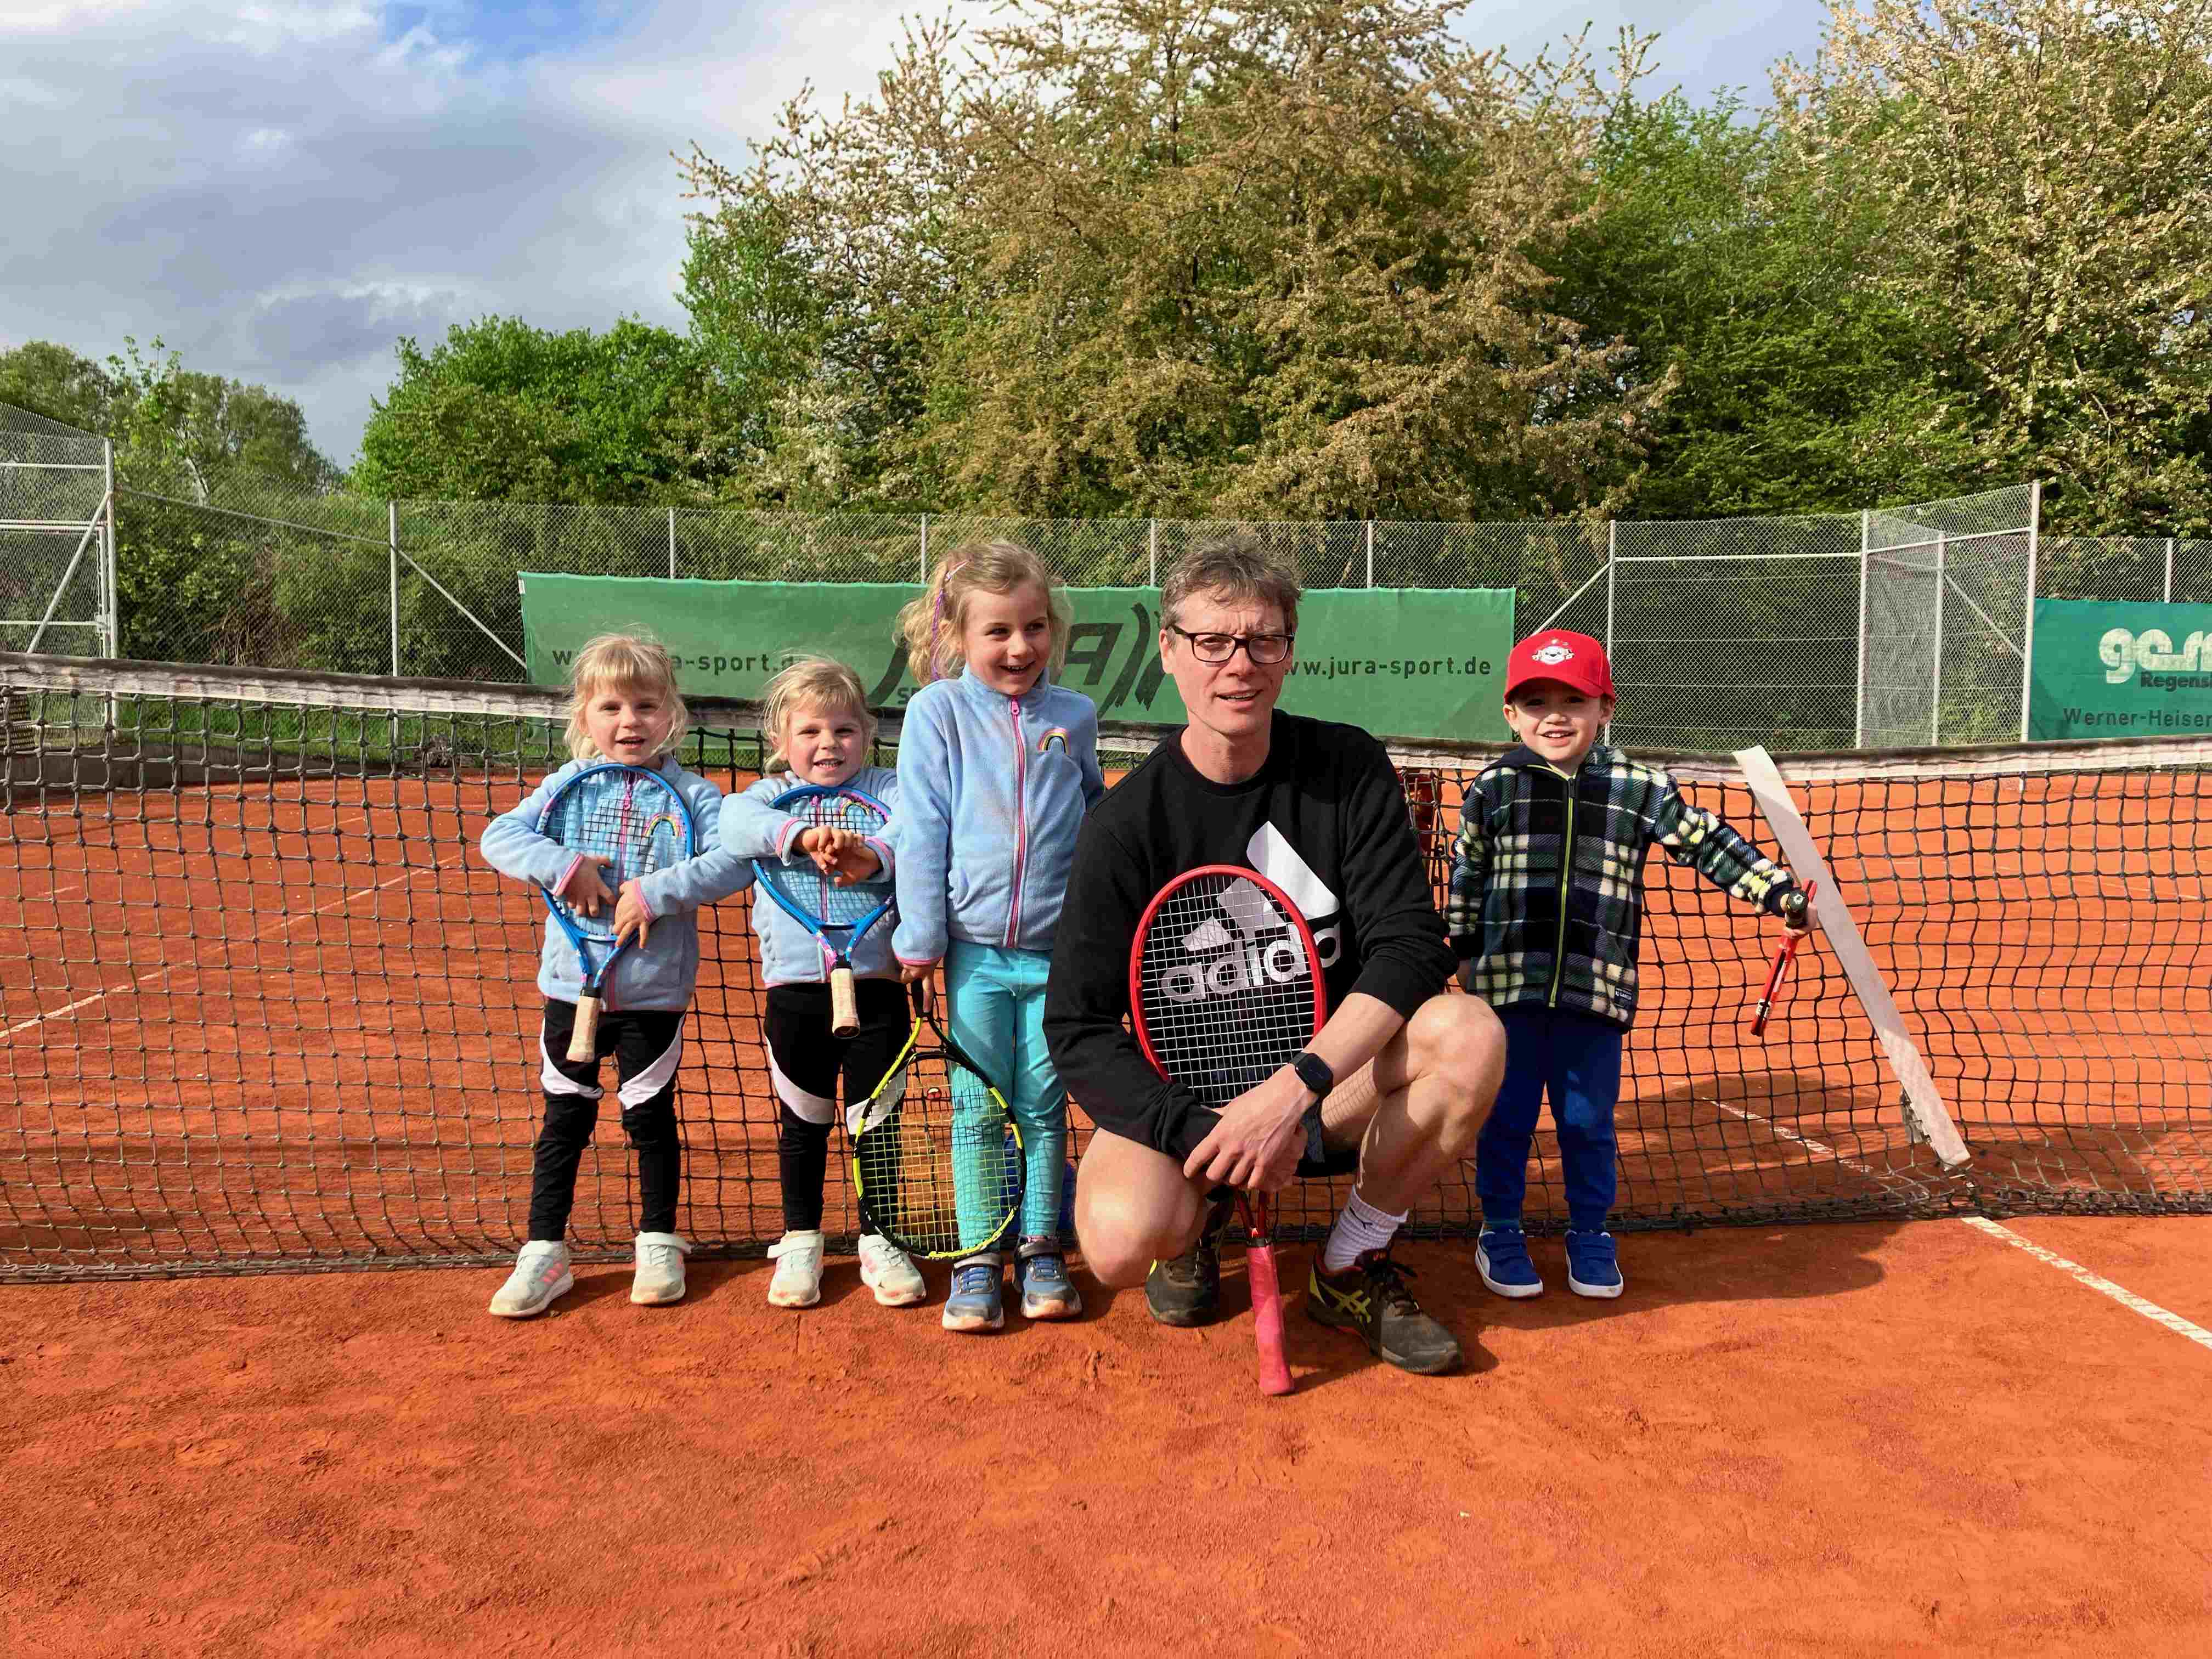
point(1840, 1441)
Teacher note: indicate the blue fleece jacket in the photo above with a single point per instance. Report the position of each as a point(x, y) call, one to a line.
point(752, 828)
point(992, 789)
point(659, 972)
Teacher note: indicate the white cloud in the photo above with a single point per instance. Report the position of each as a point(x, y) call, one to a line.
point(282, 188)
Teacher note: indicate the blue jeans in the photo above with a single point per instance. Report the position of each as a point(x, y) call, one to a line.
point(1576, 1059)
point(994, 996)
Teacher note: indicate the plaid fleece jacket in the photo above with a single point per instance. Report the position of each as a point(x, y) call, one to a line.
point(1547, 901)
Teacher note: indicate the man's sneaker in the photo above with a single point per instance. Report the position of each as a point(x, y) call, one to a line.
point(1593, 1266)
point(798, 1281)
point(1501, 1255)
point(1187, 1289)
point(1370, 1298)
point(660, 1277)
point(890, 1273)
point(541, 1273)
point(974, 1304)
point(1046, 1290)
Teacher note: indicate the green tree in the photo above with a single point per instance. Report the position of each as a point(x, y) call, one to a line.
point(2043, 173)
point(501, 410)
point(54, 381)
point(1276, 258)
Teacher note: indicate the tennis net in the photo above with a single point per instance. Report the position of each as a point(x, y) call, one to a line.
point(266, 1009)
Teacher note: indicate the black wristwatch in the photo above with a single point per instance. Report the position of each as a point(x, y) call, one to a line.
point(1313, 1072)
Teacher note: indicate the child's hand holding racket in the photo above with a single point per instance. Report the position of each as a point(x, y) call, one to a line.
point(632, 917)
point(586, 889)
point(842, 854)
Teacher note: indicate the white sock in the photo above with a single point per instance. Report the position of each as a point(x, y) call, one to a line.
point(1361, 1228)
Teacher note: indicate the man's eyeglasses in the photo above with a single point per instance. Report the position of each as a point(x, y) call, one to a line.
point(1213, 649)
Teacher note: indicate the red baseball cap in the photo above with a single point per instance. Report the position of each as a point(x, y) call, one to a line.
point(1575, 659)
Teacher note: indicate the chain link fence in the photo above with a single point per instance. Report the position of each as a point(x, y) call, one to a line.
point(1894, 628)
point(54, 548)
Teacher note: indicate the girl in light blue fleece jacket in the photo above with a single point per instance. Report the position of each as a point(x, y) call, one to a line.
point(996, 767)
point(816, 730)
point(626, 708)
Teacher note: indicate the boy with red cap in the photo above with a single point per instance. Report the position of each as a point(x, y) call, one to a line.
point(1546, 911)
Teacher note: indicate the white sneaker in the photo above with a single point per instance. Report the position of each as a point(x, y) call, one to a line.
point(890, 1273)
point(541, 1273)
point(798, 1281)
point(660, 1269)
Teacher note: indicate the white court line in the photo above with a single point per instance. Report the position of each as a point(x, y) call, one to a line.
point(2119, 1293)
point(1820, 1148)
point(163, 973)
point(2103, 1286)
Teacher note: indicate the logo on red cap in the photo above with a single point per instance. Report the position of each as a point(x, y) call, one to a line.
point(1574, 660)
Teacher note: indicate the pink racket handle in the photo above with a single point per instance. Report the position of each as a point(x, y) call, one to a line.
point(1267, 1311)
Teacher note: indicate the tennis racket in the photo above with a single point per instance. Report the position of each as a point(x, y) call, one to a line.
point(629, 822)
point(836, 916)
point(1225, 987)
point(1784, 954)
point(937, 1157)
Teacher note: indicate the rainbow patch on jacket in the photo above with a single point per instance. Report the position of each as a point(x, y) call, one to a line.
point(1055, 739)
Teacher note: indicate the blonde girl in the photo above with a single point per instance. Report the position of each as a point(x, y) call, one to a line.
point(996, 766)
point(816, 729)
point(625, 708)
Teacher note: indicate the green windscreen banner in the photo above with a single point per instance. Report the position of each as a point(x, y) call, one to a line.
point(1401, 662)
point(2107, 668)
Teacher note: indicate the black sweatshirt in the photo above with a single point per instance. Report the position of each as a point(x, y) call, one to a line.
point(1324, 819)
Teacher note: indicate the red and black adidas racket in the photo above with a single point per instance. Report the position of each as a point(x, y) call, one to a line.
point(1784, 954)
point(1226, 988)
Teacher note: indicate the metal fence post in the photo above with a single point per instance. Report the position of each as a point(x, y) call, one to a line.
point(110, 616)
point(392, 533)
point(2166, 594)
point(924, 577)
point(1370, 552)
point(1152, 553)
point(1611, 565)
point(1858, 716)
point(2027, 620)
point(671, 543)
point(1936, 700)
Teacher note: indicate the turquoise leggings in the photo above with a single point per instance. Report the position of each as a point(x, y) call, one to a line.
point(996, 996)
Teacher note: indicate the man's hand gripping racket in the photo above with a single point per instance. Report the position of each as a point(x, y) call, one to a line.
point(1225, 990)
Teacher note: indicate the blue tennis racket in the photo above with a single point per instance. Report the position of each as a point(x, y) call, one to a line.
point(629, 822)
point(837, 915)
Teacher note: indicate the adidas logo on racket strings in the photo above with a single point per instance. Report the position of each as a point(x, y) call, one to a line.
point(1231, 938)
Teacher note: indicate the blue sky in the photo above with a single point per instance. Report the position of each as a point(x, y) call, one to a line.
point(279, 189)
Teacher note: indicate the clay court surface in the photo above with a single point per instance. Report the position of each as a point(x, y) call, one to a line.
point(1834, 1440)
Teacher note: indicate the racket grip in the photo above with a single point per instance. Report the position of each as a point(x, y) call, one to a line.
point(844, 1006)
point(1267, 1318)
point(584, 1037)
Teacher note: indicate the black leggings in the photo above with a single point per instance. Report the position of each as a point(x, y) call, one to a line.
point(647, 1044)
point(796, 1022)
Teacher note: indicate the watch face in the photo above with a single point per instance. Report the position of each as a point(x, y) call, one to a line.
point(1314, 1073)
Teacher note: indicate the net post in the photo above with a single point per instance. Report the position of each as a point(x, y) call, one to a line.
point(2028, 607)
point(1936, 694)
point(1858, 712)
point(2166, 593)
point(1925, 1111)
point(112, 611)
point(922, 570)
point(391, 546)
point(671, 543)
point(1370, 552)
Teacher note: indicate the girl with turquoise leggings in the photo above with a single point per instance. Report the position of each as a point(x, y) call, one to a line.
point(996, 767)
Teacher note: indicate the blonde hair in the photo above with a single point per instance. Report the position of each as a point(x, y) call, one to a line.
point(628, 662)
point(932, 625)
point(811, 682)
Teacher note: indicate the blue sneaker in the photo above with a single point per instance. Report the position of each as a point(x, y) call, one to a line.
point(974, 1304)
point(1592, 1267)
point(1501, 1255)
point(1046, 1290)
